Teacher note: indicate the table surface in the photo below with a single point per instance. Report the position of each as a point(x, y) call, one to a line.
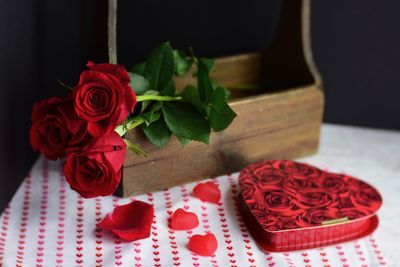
point(47, 224)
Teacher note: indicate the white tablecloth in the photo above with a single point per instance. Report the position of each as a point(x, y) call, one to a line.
point(47, 224)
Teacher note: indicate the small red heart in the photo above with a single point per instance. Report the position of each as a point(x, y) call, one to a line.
point(204, 245)
point(208, 192)
point(183, 220)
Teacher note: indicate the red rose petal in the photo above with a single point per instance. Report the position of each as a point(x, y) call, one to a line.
point(131, 221)
point(208, 192)
point(183, 220)
point(204, 245)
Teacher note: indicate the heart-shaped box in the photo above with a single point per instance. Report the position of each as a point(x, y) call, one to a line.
point(289, 206)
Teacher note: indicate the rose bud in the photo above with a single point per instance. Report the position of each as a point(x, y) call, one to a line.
point(103, 97)
point(55, 126)
point(97, 171)
point(131, 221)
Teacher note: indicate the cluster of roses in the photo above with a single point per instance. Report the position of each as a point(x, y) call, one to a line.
point(287, 195)
point(80, 129)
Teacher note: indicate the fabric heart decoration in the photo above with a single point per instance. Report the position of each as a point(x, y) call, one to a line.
point(131, 221)
point(204, 245)
point(293, 206)
point(183, 220)
point(208, 192)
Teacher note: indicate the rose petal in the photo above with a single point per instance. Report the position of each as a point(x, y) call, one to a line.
point(204, 245)
point(96, 171)
point(208, 192)
point(114, 69)
point(183, 220)
point(131, 221)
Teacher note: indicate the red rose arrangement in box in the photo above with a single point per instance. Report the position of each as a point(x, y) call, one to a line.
point(89, 128)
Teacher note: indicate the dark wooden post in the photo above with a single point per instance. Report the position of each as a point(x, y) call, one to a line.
point(103, 31)
point(288, 60)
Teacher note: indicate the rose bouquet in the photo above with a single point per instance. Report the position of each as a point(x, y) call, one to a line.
point(89, 128)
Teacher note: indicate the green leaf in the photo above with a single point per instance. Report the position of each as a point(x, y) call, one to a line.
point(191, 94)
point(182, 62)
point(160, 67)
point(139, 68)
point(135, 148)
point(184, 141)
point(203, 80)
point(186, 121)
point(169, 89)
point(158, 133)
point(65, 85)
point(145, 104)
point(208, 63)
point(125, 126)
point(139, 83)
point(221, 115)
point(150, 117)
point(121, 130)
point(227, 92)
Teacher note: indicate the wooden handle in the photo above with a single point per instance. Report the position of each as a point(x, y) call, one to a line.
point(112, 31)
point(288, 61)
point(102, 45)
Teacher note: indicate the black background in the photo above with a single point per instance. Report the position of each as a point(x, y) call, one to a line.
point(356, 47)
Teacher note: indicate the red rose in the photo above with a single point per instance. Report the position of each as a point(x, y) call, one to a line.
point(314, 198)
point(267, 220)
point(131, 221)
point(273, 199)
point(315, 217)
point(363, 196)
point(298, 169)
point(285, 223)
point(368, 199)
point(104, 97)
point(353, 214)
point(55, 127)
point(298, 183)
point(97, 171)
point(335, 183)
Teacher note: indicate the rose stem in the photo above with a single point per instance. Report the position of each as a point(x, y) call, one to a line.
point(141, 98)
point(135, 123)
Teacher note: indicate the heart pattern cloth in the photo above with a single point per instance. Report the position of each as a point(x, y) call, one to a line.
point(48, 224)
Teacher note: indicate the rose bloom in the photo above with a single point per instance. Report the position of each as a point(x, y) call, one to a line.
point(298, 169)
point(336, 183)
point(97, 171)
point(298, 183)
point(274, 199)
point(268, 220)
point(368, 199)
point(285, 223)
point(353, 214)
point(315, 217)
point(314, 198)
point(55, 127)
point(103, 97)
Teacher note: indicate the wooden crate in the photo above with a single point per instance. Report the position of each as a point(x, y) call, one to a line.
point(280, 120)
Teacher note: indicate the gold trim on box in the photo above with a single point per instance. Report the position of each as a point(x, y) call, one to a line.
point(335, 221)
